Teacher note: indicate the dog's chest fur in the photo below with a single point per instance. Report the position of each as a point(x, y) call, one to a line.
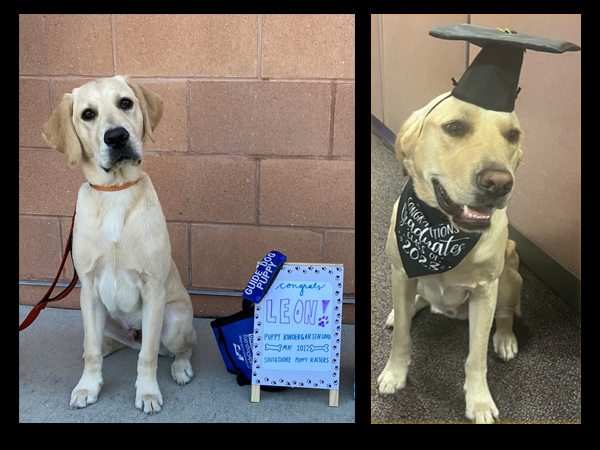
point(112, 249)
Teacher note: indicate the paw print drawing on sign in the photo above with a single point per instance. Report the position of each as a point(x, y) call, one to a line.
point(323, 321)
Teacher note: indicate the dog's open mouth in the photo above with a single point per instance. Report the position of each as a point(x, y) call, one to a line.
point(465, 216)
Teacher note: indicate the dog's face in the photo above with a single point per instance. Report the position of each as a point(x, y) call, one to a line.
point(462, 159)
point(104, 123)
point(108, 120)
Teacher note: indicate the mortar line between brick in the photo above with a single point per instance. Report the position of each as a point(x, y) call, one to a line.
point(191, 223)
point(113, 32)
point(259, 49)
point(251, 156)
point(153, 78)
point(61, 247)
point(332, 119)
point(188, 99)
point(51, 84)
point(190, 154)
point(257, 192)
point(189, 259)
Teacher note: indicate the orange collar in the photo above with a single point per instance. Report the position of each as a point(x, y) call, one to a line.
point(113, 188)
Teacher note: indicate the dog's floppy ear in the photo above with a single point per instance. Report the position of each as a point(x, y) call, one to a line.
point(409, 133)
point(59, 131)
point(152, 106)
point(407, 140)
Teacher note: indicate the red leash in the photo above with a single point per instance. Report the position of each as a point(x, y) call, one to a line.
point(46, 299)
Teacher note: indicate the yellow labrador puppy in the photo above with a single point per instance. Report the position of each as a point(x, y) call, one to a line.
point(461, 159)
point(131, 293)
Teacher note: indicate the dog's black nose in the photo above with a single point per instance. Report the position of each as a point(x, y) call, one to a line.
point(496, 183)
point(116, 138)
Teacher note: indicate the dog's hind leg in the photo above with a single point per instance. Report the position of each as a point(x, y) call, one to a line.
point(116, 337)
point(179, 337)
point(420, 303)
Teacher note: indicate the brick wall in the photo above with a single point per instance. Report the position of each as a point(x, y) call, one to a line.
point(255, 150)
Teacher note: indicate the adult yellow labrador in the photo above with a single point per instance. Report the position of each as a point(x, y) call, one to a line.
point(131, 293)
point(462, 160)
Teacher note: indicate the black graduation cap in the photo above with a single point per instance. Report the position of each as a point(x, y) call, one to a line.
point(492, 79)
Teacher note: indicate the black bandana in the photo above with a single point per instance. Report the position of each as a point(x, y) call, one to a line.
point(427, 241)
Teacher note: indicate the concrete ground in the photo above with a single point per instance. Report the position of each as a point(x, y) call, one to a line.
point(50, 366)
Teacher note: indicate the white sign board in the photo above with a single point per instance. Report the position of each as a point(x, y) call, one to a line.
point(297, 328)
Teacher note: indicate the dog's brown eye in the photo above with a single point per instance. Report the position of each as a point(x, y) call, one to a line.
point(126, 103)
point(513, 135)
point(88, 114)
point(455, 129)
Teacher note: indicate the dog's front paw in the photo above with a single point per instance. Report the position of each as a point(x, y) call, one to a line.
point(481, 408)
point(505, 345)
point(148, 397)
point(393, 378)
point(85, 393)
